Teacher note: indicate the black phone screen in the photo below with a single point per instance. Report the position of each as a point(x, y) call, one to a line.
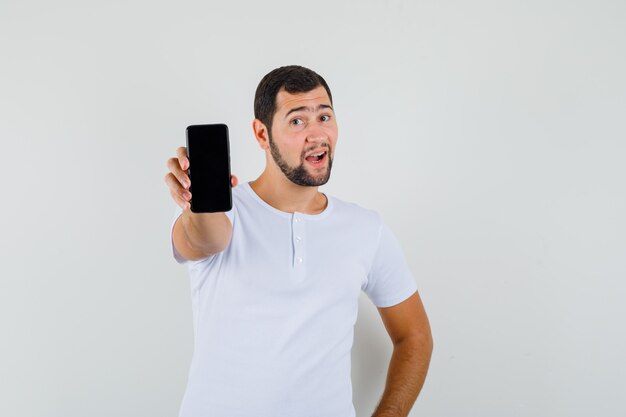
point(209, 168)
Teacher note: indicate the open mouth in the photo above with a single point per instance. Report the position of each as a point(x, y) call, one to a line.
point(317, 159)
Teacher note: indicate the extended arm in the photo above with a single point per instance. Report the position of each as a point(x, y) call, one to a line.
point(195, 235)
point(199, 235)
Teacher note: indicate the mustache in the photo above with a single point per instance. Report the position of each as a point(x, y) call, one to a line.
point(324, 145)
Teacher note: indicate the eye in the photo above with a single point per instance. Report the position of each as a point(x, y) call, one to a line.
point(325, 118)
point(297, 122)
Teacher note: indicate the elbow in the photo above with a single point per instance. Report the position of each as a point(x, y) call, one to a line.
point(430, 343)
point(217, 246)
point(425, 342)
point(422, 342)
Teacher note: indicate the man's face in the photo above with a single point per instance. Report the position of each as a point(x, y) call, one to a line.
point(303, 136)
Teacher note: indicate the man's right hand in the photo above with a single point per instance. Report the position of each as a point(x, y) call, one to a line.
point(195, 235)
point(178, 179)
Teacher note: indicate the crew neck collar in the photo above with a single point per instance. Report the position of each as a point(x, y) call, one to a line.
point(318, 216)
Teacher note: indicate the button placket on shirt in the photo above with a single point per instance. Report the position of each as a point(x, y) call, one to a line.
point(298, 227)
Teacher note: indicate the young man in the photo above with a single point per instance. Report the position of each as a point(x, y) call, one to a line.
point(276, 280)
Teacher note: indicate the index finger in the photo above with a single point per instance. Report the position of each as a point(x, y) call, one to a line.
point(183, 161)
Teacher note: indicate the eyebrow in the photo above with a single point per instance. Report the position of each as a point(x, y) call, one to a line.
point(311, 109)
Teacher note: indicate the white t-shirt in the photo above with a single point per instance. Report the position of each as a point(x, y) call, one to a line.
point(274, 313)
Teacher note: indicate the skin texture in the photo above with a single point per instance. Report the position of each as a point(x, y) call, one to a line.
point(290, 184)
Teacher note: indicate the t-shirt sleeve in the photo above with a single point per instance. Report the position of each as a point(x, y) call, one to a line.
point(177, 256)
point(389, 281)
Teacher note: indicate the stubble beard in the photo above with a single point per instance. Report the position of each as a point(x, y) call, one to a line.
point(299, 174)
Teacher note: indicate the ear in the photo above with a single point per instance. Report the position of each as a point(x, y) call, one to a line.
point(261, 133)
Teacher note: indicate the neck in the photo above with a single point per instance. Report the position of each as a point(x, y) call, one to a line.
point(277, 191)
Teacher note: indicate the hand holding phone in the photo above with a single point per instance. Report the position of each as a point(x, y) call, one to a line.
point(178, 179)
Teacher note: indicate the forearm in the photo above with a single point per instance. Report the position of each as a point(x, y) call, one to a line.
point(405, 377)
point(205, 233)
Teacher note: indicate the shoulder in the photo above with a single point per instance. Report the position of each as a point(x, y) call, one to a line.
point(238, 198)
point(355, 213)
point(240, 195)
point(238, 192)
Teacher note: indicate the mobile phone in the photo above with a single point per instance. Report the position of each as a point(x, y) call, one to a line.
point(209, 168)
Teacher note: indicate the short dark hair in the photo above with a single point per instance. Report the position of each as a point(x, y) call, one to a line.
point(294, 79)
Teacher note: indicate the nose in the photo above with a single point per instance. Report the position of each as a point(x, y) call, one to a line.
point(316, 134)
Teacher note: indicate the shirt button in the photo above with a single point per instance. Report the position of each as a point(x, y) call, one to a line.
point(297, 219)
point(298, 238)
point(300, 260)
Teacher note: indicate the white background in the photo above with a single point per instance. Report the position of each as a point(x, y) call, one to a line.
point(489, 135)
